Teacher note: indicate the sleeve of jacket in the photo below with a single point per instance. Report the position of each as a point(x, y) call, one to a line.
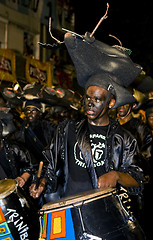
point(130, 163)
point(49, 129)
point(145, 148)
point(23, 156)
point(53, 154)
point(49, 167)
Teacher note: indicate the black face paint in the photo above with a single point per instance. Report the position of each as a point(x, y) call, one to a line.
point(94, 105)
point(127, 110)
point(106, 101)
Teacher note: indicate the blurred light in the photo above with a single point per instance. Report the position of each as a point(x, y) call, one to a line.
point(59, 92)
point(16, 87)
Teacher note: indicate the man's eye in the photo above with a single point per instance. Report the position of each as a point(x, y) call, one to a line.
point(97, 100)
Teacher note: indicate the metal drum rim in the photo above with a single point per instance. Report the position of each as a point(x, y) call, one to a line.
point(68, 202)
point(9, 190)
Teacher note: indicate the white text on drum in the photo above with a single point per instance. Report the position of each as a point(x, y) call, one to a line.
point(15, 218)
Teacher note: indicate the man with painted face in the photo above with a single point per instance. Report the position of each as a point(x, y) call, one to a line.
point(15, 162)
point(35, 134)
point(96, 152)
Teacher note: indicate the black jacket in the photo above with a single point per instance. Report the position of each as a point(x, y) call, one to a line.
point(35, 145)
point(48, 131)
point(119, 154)
point(17, 159)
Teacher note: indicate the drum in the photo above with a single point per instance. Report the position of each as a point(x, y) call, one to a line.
point(95, 215)
point(18, 219)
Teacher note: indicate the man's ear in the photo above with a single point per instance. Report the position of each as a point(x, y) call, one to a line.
point(111, 103)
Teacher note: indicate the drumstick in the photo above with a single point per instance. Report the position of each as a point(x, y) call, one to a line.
point(39, 174)
point(40, 169)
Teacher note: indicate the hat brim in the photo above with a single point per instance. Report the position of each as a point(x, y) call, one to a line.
point(122, 95)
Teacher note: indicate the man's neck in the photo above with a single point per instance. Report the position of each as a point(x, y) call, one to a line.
point(100, 121)
point(34, 124)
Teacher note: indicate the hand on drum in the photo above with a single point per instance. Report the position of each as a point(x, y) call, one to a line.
point(109, 179)
point(20, 181)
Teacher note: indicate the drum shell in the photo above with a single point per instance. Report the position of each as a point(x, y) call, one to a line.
point(20, 215)
point(106, 219)
point(103, 217)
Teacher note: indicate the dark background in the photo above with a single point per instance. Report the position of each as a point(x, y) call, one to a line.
point(129, 21)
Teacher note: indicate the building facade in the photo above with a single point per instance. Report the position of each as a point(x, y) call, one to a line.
point(24, 23)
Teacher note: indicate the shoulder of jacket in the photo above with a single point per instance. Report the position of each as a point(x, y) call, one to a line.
point(120, 130)
point(48, 123)
point(80, 123)
point(61, 127)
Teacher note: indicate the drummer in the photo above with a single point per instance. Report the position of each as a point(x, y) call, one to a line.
point(96, 152)
point(14, 160)
point(35, 134)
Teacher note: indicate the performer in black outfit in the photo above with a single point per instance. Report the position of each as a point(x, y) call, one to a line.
point(96, 152)
point(140, 131)
point(143, 135)
point(35, 134)
point(15, 161)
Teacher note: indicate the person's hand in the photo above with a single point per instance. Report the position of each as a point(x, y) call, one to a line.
point(35, 193)
point(109, 179)
point(20, 181)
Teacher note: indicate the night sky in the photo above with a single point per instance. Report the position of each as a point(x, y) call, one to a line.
point(129, 21)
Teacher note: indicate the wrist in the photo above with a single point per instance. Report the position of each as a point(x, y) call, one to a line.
point(117, 176)
point(23, 178)
point(42, 183)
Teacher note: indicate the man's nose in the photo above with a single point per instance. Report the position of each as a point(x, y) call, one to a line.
point(29, 113)
point(90, 103)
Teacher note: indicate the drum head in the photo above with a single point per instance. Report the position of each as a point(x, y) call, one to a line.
point(7, 186)
point(75, 200)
